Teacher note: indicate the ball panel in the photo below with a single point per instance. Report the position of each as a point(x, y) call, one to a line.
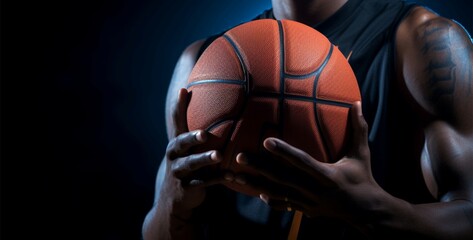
point(337, 82)
point(218, 61)
point(258, 43)
point(303, 60)
point(301, 87)
point(300, 128)
point(334, 122)
point(210, 103)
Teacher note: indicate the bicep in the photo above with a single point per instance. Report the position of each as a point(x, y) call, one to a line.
point(435, 57)
point(447, 162)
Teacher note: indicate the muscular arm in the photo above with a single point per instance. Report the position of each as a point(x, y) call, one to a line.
point(159, 222)
point(435, 62)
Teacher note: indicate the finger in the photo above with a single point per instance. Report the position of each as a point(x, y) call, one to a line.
point(259, 184)
point(359, 147)
point(298, 158)
point(283, 204)
point(203, 183)
point(179, 115)
point(276, 191)
point(276, 173)
point(183, 167)
point(181, 144)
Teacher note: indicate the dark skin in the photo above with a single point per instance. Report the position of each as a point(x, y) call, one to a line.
point(437, 80)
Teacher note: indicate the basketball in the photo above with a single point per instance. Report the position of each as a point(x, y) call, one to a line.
point(269, 78)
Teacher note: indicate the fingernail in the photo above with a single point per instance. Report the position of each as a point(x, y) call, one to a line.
point(196, 182)
point(199, 135)
point(229, 177)
point(360, 110)
point(241, 159)
point(240, 180)
point(179, 95)
point(270, 144)
point(264, 197)
point(215, 156)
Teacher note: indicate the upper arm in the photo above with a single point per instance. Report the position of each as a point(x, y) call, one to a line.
point(435, 62)
point(179, 78)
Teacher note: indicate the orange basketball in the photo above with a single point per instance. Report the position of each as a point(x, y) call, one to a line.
point(272, 78)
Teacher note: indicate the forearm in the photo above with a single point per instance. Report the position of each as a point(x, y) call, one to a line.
point(396, 218)
point(162, 223)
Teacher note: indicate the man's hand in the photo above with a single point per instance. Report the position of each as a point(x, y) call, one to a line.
point(185, 181)
point(345, 189)
point(182, 179)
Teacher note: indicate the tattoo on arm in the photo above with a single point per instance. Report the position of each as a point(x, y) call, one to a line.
point(441, 67)
point(468, 62)
point(448, 51)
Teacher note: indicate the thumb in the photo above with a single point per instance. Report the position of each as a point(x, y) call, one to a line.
point(179, 115)
point(359, 140)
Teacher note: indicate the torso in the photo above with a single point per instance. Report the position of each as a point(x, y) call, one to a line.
point(364, 31)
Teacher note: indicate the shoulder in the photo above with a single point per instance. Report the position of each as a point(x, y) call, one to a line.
point(186, 62)
point(434, 56)
point(191, 52)
point(421, 23)
point(184, 65)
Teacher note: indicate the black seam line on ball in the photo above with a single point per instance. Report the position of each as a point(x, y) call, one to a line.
point(224, 81)
point(242, 63)
point(218, 123)
point(243, 107)
point(316, 71)
point(322, 133)
point(317, 75)
point(281, 78)
point(302, 98)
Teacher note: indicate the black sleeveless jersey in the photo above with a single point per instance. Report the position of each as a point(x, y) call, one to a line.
point(365, 31)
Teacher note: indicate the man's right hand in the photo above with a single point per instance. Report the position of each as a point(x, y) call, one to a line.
point(186, 178)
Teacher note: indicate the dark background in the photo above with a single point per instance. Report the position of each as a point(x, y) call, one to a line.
point(83, 85)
